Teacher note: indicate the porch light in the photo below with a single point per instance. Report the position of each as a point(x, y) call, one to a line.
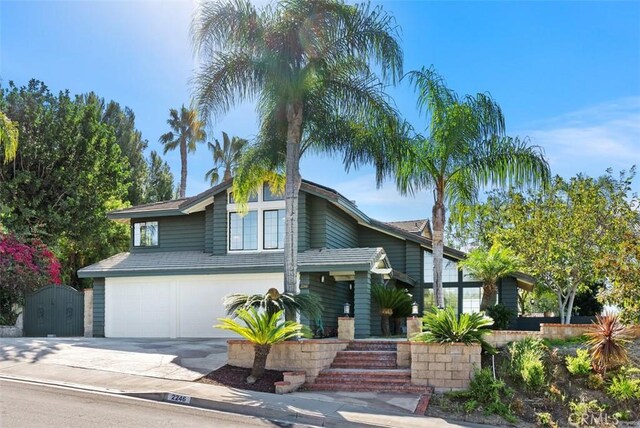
point(347, 309)
point(414, 309)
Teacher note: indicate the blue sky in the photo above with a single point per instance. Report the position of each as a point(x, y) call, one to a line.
point(567, 75)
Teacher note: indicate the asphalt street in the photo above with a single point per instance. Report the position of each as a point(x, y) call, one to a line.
point(24, 404)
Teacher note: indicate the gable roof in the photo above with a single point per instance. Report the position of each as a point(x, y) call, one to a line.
point(412, 226)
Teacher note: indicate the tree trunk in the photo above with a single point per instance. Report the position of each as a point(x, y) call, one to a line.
point(572, 297)
point(227, 173)
point(489, 296)
point(292, 186)
point(385, 314)
point(261, 352)
point(438, 250)
point(183, 168)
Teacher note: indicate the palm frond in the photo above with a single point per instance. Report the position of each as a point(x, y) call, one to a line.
point(273, 301)
point(262, 328)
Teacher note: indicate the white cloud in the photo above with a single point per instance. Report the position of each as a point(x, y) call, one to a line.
point(591, 139)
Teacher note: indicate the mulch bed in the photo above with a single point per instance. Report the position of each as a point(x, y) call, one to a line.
point(235, 377)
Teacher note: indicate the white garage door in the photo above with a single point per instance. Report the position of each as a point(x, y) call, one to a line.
point(176, 306)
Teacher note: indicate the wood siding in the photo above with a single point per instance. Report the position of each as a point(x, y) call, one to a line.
point(220, 224)
point(508, 293)
point(208, 229)
point(317, 209)
point(332, 295)
point(362, 304)
point(394, 247)
point(180, 233)
point(98, 307)
point(341, 230)
point(303, 223)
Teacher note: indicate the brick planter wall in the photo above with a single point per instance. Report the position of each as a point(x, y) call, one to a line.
point(444, 367)
point(403, 356)
point(309, 356)
point(500, 338)
point(563, 331)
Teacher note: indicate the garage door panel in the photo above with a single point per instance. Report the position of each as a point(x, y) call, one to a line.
point(176, 306)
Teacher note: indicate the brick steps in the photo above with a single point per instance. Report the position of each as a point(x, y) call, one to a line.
point(367, 366)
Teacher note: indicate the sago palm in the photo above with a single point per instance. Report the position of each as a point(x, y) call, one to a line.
point(226, 155)
point(273, 301)
point(465, 150)
point(489, 267)
point(8, 137)
point(389, 299)
point(308, 64)
point(263, 329)
point(187, 130)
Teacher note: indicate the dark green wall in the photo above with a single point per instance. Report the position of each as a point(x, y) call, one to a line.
point(394, 247)
point(508, 293)
point(98, 307)
point(317, 213)
point(303, 223)
point(220, 224)
point(332, 295)
point(208, 229)
point(180, 233)
point(341, 230)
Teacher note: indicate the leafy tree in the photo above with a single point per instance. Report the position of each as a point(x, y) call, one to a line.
point(465, 150)
point(567, 234)
point(8, 137)
point(160, 180)
point(489, 267)
point(273, 301)
point(25, 266)
point(390, 299)
point(263, 329)
point(186, 132)
point(226, 155)
point(68, 171)
point(308, 63)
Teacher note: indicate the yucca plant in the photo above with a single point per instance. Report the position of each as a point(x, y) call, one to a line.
point(264, 329)
point(389, 299)
point(607, 340)
point(443, 326)
point(273, 301)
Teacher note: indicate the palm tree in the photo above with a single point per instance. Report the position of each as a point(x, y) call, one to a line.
point(489, 267)
point(186, 131)
point(227, 155)
point(308, 63)
point(264, 329)
point(389, 299)
point(465, 150)
point(273, 301)
point(8, 137)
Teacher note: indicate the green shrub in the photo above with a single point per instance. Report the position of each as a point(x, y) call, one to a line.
point(489, 393)
point(623, 388)
point(595, 381)
point(545, 419)
point(443, 326)
point(501, 316)
point(533, 372)
point(580, 365)
point(582, 413)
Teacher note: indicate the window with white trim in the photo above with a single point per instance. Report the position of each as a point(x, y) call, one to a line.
point(145, 234)
point(261, 228)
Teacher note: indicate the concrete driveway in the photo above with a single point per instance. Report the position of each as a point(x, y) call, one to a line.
point(177, 359)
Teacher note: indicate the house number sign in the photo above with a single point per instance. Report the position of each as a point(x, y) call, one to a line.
point(177, 398)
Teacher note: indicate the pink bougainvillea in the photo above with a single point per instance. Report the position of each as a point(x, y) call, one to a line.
point(24, 267)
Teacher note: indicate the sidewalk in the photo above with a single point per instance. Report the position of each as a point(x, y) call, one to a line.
point(329, 409)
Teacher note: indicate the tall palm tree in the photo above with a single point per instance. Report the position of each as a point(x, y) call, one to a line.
point(187, 130)
point(466, 149)
point(489, 267)
point(228, 155)
point(264, 329)
point(8, 137)
point(308, 63)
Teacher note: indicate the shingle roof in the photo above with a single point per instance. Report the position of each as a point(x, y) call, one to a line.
point(185, 262)
point(413, 226)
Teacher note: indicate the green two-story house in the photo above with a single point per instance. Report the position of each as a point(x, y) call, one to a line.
point(187, 254)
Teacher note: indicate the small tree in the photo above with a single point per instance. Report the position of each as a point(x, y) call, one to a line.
point(263, 329)
point(389, 299)
point(489, 267)
point(8, 137)
point(273, 301)
point(24, 267)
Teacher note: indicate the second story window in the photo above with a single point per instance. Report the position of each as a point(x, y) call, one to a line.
point(145, 234)
point(262, 227)
point(243, 231)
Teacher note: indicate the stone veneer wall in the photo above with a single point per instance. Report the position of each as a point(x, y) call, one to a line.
point(12, 330)
point(403, 357)
point(309, 356)
point(444, 367)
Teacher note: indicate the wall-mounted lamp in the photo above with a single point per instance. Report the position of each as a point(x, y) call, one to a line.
point(347, 309)
point(414, 309)
point(322, 278)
